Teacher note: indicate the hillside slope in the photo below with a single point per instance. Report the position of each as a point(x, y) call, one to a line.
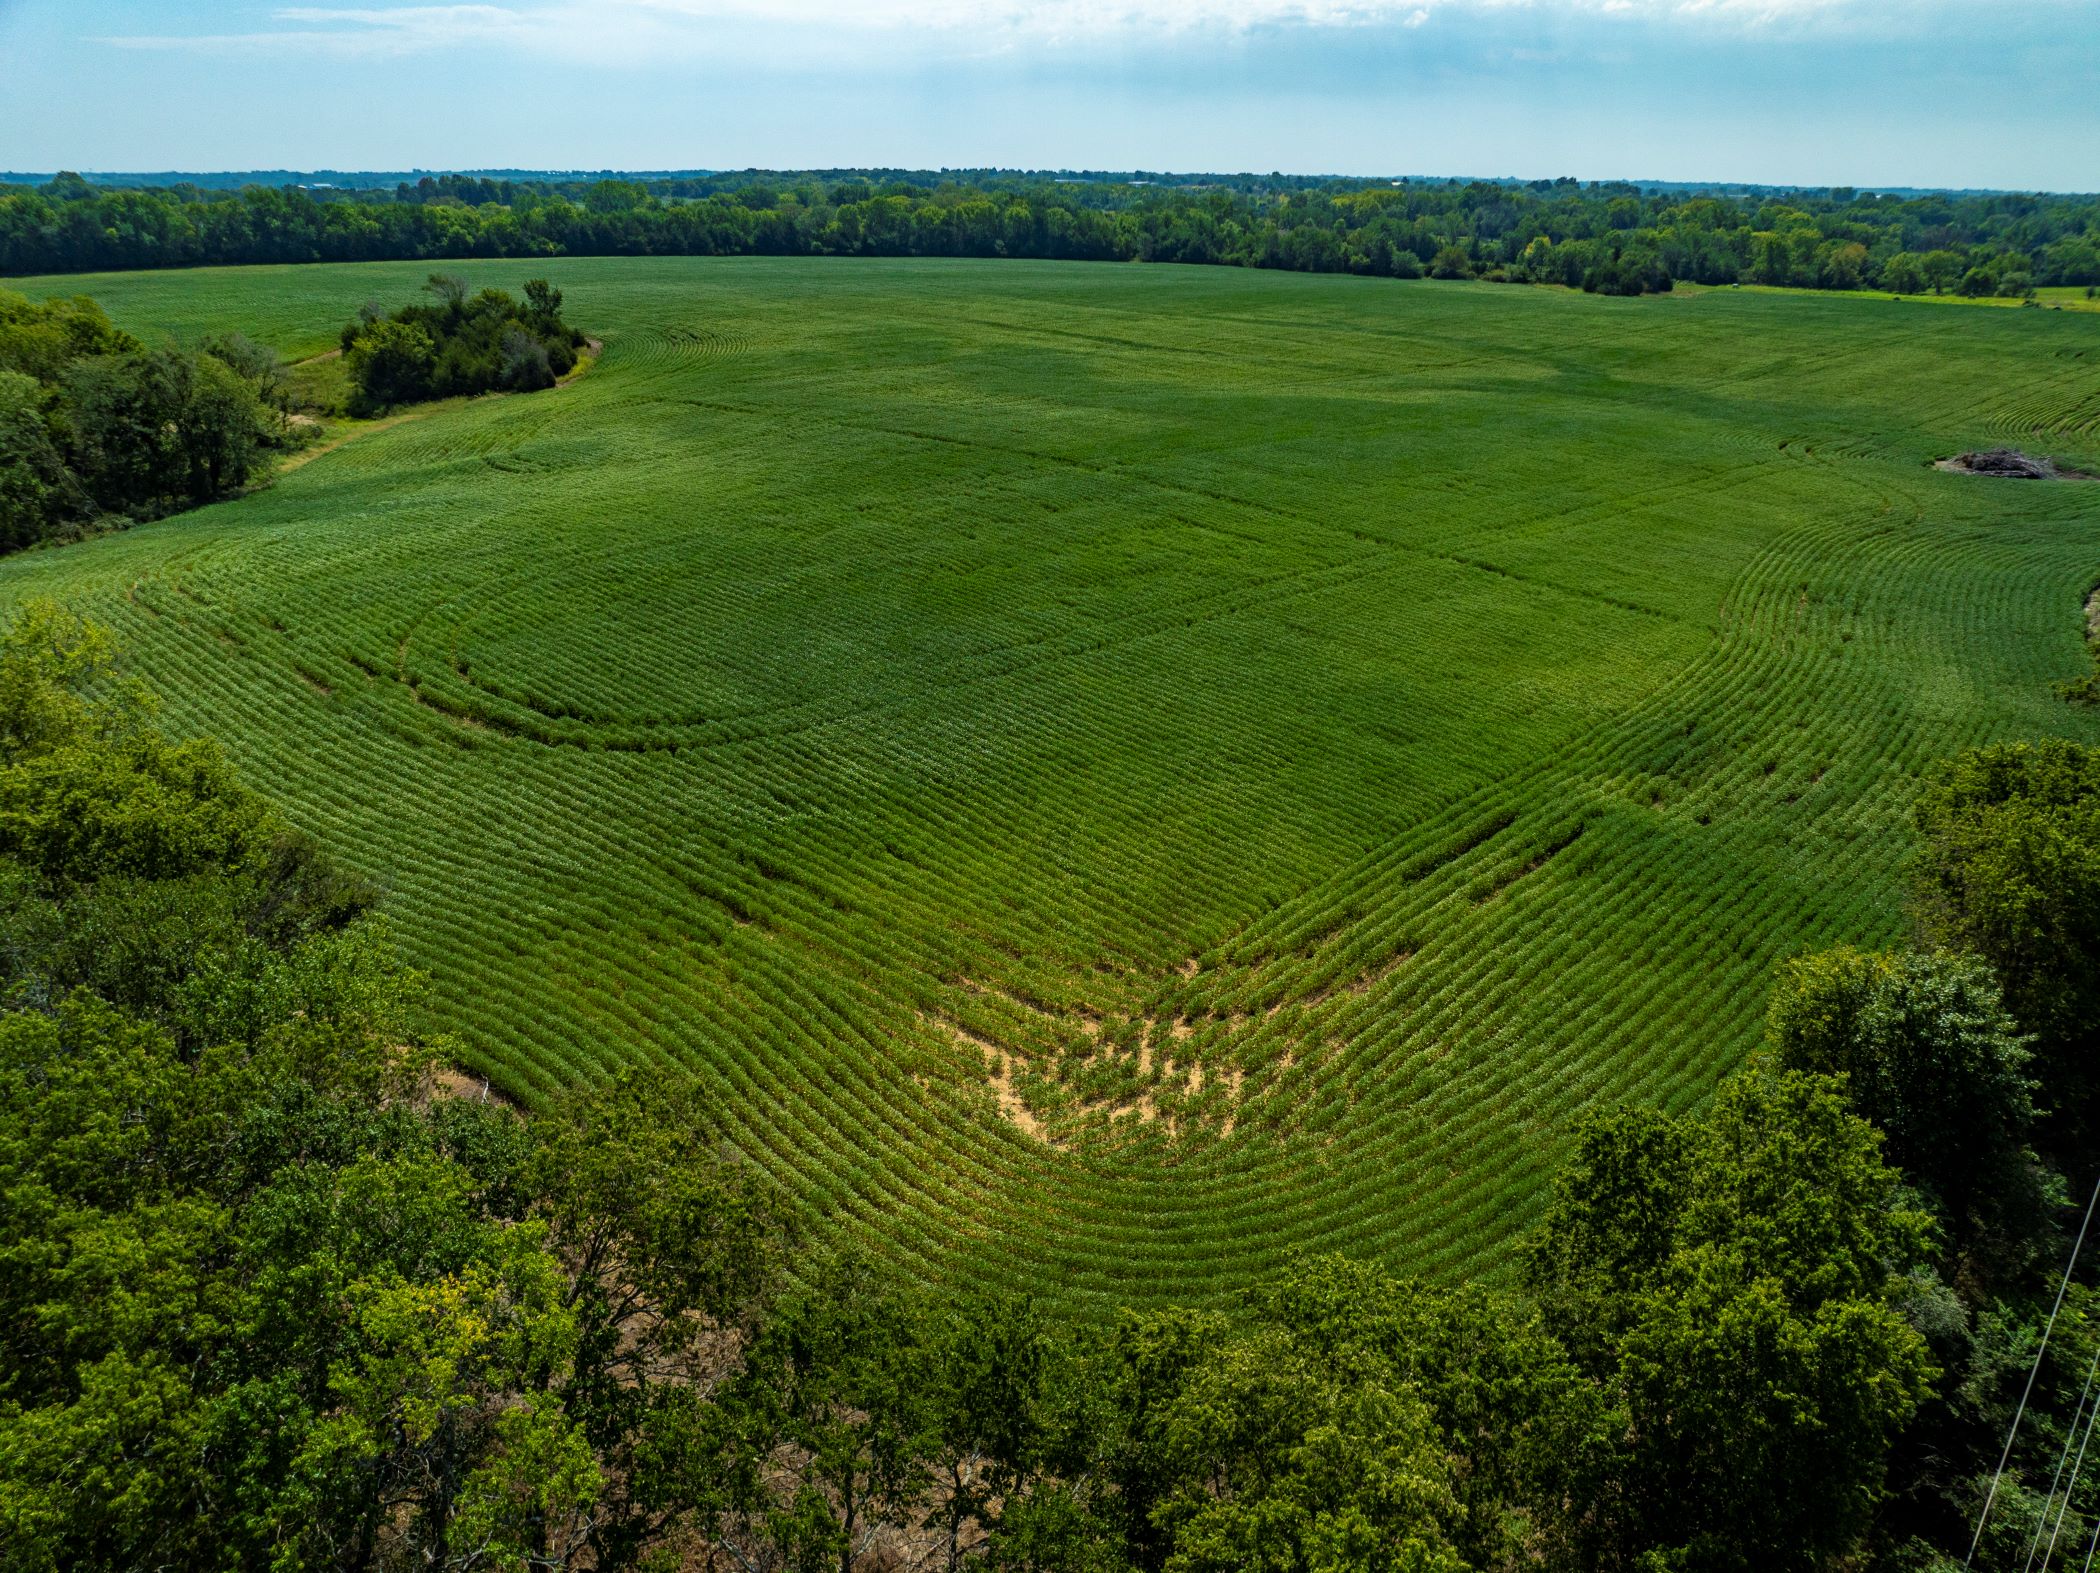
point(1115, 774)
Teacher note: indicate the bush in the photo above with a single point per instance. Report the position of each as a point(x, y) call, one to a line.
point(1451, 263)
point(392, 363)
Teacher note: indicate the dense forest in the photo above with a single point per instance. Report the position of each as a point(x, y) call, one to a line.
point(1611, 237)
point(96, 426)
point(277, 1290)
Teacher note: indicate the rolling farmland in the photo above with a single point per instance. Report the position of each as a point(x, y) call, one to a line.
point(1115, 774)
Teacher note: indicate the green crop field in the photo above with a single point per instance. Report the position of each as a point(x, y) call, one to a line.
point(1114, 774)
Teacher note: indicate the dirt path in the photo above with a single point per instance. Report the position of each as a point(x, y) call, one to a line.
point(306, 456)
point(592, 348)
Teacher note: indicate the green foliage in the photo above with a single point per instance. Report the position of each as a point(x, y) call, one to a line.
point(460, 345)
point(1264, 1447)
point(1529, 1434)
point(1610, 236)
point(2011, 871)
point(1617, 1205)
point(663, 1246)
point(1451, 262)
point(1930, 1056)
point(258, 364)
point(836, 1421)
point(35, 485)
point(1904, 274)
point(1274, 1460)
point(991, 1434)
point(93, 424)
point(392, 363)
point(423, 1408)
point(1736, 1285)
point(1342, 1421)
point(615, 196)
point(41, 339)
point(59, 685)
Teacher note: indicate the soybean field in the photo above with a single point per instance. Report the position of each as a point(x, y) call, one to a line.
point(1113, 775)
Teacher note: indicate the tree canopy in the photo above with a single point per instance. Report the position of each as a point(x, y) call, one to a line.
point(2011, 871)
point(460, 343)
point(93, 424)
point(1609, 236)
point(1930, 1054)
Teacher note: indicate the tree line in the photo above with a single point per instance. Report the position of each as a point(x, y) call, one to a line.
point(1612, 237)
point(277, 1290)
point(96, 426)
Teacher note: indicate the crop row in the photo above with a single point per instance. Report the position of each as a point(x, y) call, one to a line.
point(1314, 815)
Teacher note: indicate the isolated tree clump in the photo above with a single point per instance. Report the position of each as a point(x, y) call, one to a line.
point(459, 343)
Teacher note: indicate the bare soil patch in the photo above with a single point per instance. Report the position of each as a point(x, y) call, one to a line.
point(449, 1081)
point(1003, 1071)
point(2010, 464)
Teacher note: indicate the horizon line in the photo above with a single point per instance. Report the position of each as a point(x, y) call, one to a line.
point(1124, 176)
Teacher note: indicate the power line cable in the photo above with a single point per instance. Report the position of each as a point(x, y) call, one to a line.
point(2013, 1433)
point(2064, 1506)
point(2063, 1453)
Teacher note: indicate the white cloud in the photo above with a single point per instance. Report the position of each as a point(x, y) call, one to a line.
point(384, 30)
point(1062, 15)
point(651, 29)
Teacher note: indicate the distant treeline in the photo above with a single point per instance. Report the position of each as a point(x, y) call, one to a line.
point(1610, 237)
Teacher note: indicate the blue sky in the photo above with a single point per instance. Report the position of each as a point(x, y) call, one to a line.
point(1866, 92)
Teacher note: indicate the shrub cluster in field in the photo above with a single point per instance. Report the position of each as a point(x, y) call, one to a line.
point(459, 344)
point(1609, 236)
point(267, 1300)
point(94, 424)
